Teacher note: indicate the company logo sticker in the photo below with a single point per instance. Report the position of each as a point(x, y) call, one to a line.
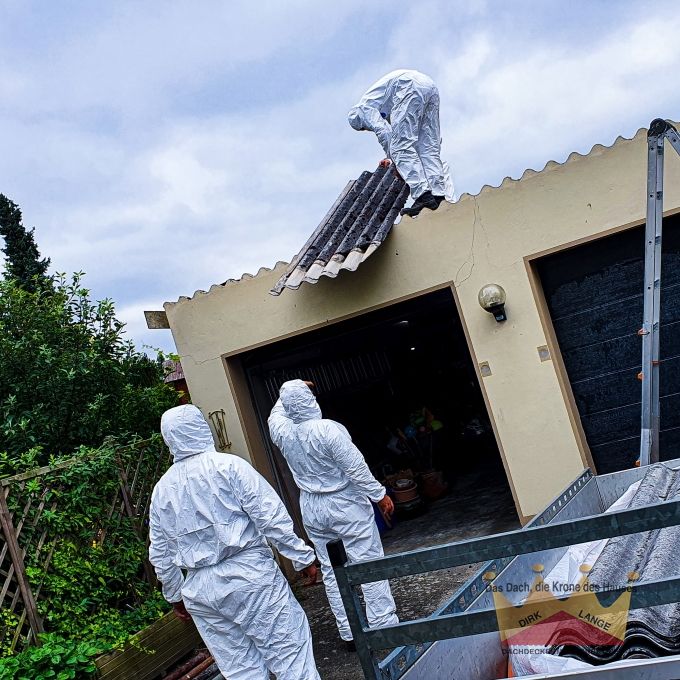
point(559, 614)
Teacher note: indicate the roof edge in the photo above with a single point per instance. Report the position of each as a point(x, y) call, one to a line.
point(486, 188)
point(280, 264)
point(551, 164)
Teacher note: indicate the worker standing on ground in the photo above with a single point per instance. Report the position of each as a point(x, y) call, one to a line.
point(336, 490)
point(211, 515)
point(402, 108)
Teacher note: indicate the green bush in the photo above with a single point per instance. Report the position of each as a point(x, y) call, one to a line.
point(95, 588)
point(55, 659)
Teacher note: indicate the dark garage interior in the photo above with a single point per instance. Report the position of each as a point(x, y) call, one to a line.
point(401, 379)
point(594, 295)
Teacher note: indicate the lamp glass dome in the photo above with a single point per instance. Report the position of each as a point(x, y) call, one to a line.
point(492, 295)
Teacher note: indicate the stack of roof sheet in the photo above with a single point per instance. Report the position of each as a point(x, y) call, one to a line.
point(359, 221)
point(654, 631)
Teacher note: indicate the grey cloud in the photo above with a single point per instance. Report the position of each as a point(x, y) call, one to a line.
point(154, 203)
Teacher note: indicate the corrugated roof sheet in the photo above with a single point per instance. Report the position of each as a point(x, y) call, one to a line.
point(654, 631)
point(357, 223)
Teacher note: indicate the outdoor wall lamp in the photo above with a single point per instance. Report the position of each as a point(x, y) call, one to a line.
point(492, 299)
point(220, 427)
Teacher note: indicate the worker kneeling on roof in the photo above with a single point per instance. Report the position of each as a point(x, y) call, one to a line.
point(336, 490)
point(211, 515)
point(402, 108)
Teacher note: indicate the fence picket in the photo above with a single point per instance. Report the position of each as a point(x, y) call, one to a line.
point(8, 532)
point(27, 537)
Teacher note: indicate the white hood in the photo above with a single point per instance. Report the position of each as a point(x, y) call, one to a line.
point(298, 402)
point(356, 118)
point(186, 432)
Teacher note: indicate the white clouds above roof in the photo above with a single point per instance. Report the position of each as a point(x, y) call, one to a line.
point(163, 147)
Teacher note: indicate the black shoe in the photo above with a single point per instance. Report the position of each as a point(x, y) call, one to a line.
point(426, 200)
point(435, 202)
point(350, 646)
point(423, 198)
point(417, 204)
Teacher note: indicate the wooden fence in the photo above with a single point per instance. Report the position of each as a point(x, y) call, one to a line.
point(28, 538)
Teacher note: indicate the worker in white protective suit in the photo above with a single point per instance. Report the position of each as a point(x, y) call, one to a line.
point(402, 109)
point(336, 490)
point(212, 515)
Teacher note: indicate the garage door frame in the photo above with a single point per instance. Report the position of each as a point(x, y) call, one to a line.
point(531, 265)
point(246, 411)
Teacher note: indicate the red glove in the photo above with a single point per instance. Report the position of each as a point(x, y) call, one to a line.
point(385, 163)
point(181, 611)
point(310, 574)
point(386, 506)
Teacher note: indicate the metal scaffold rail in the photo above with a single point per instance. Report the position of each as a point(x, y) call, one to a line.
point(659, 131)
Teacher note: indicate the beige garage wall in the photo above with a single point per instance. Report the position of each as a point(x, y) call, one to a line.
point(479, 240)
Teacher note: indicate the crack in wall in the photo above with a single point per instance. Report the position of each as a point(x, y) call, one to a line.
point(198, 362)
point(471, 256)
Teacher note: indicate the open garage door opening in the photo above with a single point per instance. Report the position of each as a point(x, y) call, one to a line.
point(401, 379)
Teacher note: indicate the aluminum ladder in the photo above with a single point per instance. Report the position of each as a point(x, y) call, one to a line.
point(659, 131)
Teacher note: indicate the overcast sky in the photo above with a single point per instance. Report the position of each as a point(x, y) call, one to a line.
point(162, 147)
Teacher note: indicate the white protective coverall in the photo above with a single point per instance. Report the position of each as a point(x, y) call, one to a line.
point(402, 108)
point(211, 515)
point(336, 488)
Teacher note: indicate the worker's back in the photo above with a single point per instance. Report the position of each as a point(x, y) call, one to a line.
point(197, 505)
point(383, 93)
point(305, 440)
point(319, 451)
point(199, 512)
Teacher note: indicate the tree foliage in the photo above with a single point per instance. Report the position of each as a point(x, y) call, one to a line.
point(95, 587)
point(70, 383)
point(68, 377)
point(22, 258)
point(94, 596)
